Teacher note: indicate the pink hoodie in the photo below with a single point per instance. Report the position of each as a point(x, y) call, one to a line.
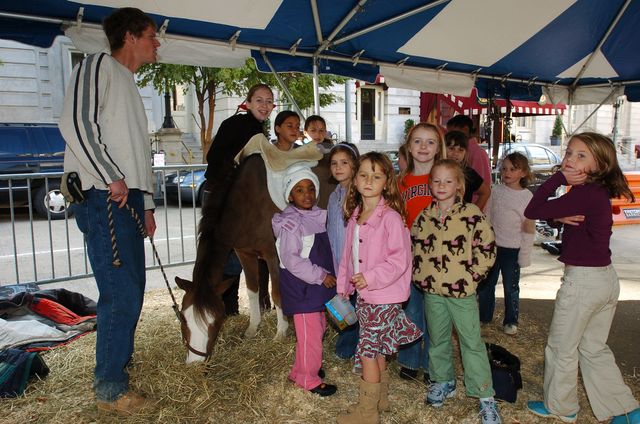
point(385, 257)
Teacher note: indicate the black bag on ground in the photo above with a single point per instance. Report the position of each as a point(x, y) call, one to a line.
point(505, 372)
point(16, 368)
point(71, 187)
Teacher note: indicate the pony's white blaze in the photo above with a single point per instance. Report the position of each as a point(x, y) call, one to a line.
point(199, 334)
point(254, 314)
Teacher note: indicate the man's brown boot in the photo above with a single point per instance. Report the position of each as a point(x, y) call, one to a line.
point(127, 404)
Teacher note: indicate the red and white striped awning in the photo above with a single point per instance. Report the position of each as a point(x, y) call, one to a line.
point(472, 105)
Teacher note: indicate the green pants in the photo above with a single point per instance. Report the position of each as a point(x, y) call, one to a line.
point(441, 312)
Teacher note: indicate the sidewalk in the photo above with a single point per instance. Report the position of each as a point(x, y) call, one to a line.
point(539, 281)
point(542, 279)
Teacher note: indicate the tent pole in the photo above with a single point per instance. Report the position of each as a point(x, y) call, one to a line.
point(508, 121)
point(616, 109)
point(325, 44)
point(282, 85)
point(347, 109)
point(602, 40)
point(316, 21)
point(316, 89)
point(390, 21)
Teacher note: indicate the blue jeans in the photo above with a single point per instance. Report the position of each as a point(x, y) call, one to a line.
point(348, 338)
point(121, 289)
point(416, 355)
point(507, 264)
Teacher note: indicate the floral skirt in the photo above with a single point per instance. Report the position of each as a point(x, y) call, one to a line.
point(382, 329)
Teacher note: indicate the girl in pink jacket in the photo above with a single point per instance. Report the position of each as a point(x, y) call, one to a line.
point(376, 261)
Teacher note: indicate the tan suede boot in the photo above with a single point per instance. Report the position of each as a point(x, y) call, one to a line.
point(366, 411)
point(383, 403)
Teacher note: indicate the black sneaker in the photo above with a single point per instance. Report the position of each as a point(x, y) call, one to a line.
point(324, 389)
point(408, 373)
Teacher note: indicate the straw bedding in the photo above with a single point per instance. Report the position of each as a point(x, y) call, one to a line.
point(246, 380)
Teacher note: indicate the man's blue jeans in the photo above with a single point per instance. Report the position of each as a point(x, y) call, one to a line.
point(121, 288)
point(507, 264)
point(416, 355)
point(347, 341)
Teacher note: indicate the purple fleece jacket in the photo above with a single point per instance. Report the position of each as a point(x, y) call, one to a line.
point(289, 227)
point(586, 244)
point(305, 259)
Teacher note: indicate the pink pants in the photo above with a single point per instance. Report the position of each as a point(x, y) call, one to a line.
point(310, 328)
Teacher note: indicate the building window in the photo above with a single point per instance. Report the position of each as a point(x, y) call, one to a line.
point(404, 111)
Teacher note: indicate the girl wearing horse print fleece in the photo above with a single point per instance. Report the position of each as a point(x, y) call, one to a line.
point(307, 276)
point(453, 249)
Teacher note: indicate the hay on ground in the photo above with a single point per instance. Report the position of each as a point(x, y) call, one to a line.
point(246, 380)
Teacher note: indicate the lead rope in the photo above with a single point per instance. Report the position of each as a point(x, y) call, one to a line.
point(116, 256)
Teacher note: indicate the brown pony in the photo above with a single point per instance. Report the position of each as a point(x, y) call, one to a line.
point(244, 224)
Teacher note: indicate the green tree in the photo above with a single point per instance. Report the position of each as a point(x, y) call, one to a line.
point(209, 82)
point(408, 124)
point(557, 127)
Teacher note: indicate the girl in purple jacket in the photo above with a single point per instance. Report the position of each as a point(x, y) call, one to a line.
point(307, 277)
point(586, 301)
point(376, 261)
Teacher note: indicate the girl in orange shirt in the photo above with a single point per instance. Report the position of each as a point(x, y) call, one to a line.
point(425, 145)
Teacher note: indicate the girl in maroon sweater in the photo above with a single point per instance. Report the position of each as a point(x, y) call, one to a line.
point(586, 301)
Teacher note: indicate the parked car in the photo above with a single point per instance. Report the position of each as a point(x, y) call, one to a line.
point(188, 184)
point(542, 160)
point(393, 156)
point(31, 149)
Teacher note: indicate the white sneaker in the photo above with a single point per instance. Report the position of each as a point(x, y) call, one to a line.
point(510, 329)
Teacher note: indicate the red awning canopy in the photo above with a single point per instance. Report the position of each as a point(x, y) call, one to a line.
point(472, 105)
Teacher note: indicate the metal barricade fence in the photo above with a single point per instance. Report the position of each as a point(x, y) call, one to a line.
point(43, 244)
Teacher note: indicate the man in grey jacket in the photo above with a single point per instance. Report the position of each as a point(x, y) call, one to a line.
point(105, 127)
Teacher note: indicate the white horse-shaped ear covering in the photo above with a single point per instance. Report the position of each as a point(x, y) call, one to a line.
point(278, 163)
point(296, 173)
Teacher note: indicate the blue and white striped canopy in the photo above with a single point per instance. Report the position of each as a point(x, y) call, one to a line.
point(584, 49)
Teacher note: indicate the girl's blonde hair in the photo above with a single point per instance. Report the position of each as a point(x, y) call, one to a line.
point(520, 161)
point(442, 149)
point(609, 175)
point(390, 191)
point(458, 173)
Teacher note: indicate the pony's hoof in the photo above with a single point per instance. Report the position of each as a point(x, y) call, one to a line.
point(250, 333)
point(280, 335)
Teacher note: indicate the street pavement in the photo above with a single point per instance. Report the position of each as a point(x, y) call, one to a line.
point(539, 281)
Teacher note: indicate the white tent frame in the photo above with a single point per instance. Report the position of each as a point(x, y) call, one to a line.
point(324, 45)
